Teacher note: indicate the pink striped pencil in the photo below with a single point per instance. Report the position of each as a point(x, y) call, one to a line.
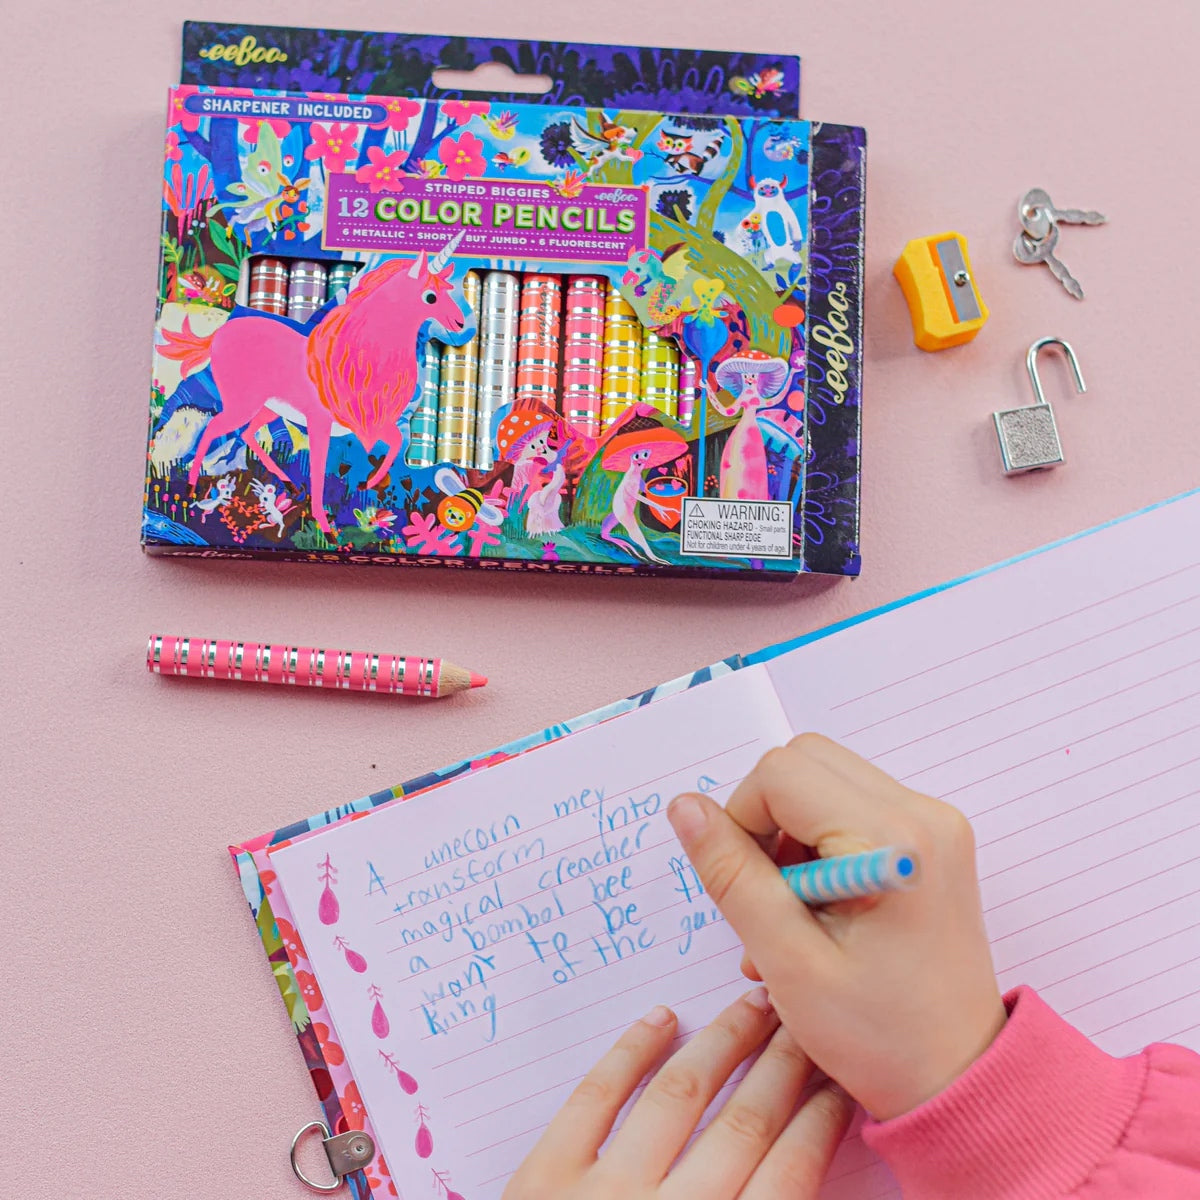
point(302, 666)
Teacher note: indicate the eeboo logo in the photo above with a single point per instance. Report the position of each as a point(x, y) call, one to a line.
point(242, 53)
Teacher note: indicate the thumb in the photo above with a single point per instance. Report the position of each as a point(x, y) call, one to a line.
point(775, 927)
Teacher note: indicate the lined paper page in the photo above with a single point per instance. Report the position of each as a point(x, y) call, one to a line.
point(482, 945)
point(1057, 703)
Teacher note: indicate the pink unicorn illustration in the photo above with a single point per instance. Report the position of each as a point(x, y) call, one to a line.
point(356, 369)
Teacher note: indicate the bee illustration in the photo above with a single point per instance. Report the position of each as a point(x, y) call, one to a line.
point(207, 286)
point(462, 505)
point(264, 189)
point(502, 126)
point(503, 160)
point(374, 519)
point(759, 84)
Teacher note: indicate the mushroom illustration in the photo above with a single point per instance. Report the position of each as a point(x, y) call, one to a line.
point(637, 445)
point(523, 438)
point(752, 378)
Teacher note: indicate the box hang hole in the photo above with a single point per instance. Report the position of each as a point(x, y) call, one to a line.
point(494, 77)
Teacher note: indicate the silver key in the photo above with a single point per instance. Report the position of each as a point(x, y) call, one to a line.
point(1030, 250)
point(1037, 213)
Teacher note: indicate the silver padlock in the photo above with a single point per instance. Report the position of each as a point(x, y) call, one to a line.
point(1028, 436)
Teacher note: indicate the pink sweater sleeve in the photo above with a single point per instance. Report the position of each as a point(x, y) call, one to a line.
point(1044, 1114)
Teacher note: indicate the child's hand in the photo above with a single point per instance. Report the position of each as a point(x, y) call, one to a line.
point(754, 1148)
point(894, 997)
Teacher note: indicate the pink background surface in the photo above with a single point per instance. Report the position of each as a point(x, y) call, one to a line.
point(146, 1050)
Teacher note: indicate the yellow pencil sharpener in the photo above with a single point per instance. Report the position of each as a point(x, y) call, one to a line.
point(935, 276)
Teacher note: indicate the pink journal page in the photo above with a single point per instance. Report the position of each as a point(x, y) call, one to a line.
point(1056, 701)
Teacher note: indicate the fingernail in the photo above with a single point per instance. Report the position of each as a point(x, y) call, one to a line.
point(759, 998)
point(687, 817)
point(659, 1015)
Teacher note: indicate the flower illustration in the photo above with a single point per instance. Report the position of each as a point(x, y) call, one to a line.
point(188, 121)
point(333, 146)
point(461, 111)
point(556, 145)
point(480, 535)
point(174, 154)
point(310, 990)
point(279, 128)
point(570, 185)
point(400, 112)
point(184, 194)
point(384, 172)
point(424, 534)
point(333, 1053)
point(352, 1107)
point(291, 943)
point(462, 156)
point(376, 1183)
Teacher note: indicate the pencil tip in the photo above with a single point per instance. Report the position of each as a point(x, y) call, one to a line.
point(478, 680)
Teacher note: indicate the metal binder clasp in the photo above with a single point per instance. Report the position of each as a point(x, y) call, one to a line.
point(1028, 436)
point(346, 1152)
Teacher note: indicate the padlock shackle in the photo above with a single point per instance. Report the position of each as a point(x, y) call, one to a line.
point(1031, 365)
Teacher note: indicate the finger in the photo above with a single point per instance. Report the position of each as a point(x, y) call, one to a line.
point(577, 1132)
point(776, 929)
point(666, 1113)
point(794, 789)
point(738, 1138)
point(796, 1164)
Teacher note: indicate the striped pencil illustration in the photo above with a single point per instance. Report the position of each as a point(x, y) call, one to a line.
point(269, 285)
point(304, 666)
point(583, 354)
point(689, 387)
point(849, 876)
point(457, 389)
point(497, 358)
point(306, 289)
point(622, 356)
point(423, 424)
point(538, 331)
point(660, 373)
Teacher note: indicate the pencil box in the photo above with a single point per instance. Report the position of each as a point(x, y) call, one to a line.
point(503, 334)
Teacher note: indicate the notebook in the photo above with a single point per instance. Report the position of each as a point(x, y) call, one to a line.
point(456, 961)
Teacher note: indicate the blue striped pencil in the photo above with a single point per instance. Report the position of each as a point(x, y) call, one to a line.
point(849, 876)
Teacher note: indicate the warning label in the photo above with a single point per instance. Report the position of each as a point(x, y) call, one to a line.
point(736, 528)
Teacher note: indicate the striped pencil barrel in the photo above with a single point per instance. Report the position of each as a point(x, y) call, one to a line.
point(498, 319)
point(423, 424)
point(660, 373)
point(538, 330)
point(583, 354)
point(340, 275)
point(689, 391)
point(850, 876)
point(269, 285)
point(306, 289)
point(457, 390)
point(304, 666)
point(622, 356)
